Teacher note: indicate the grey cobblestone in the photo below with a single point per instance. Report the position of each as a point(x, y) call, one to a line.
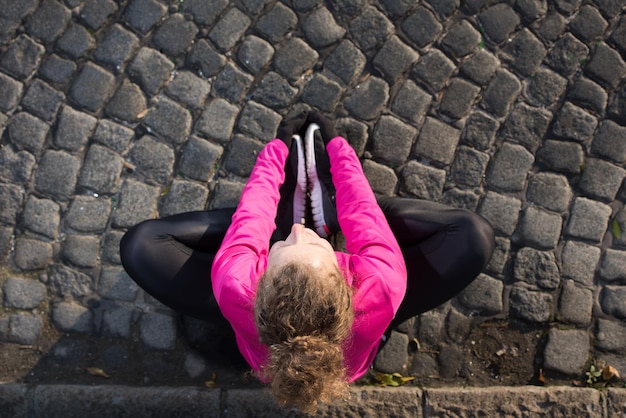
point(566, 351)
point(526, 125)
point(501, 211)
point(394, 58)
point(524, 52)
point(277, 22)
point(116, 320)
point(480, 131)
point(437, 141)
point(469, 166)
point(57, 174)
point(355, 132)
point(217, 120)
point(117, 47)
point(608, 141)
point(606, 65)
point(227, 194)
point(72, 317)
point(113, 135)
point(204, 59)
point(169, 120)
point(199, 159)
point(20, 293)
point(579, 262)
point(393, 356)
point(74, 129)
point(115, 284)
point(612, 301)
point(42, 216)
point(458, 98)
point(11, 91)
point(96, 12)
point(150, 69)
point(31, 254)
point(370, 29)
point(546, 87)
point(613, 266)
point(152, 159)
point(322, 93)
point(137, 202)
point(184, 196)
point(127, 104)
point(232, 83)
point(461, 39)
point(567, 54)
point(144, 14)
point(274, 91)
point(382, 179)
point(562, 156)
point(551, 191)
point(576, 304)
point(510, 167)
point(434, 68)
point(501, 92)
point(28, 132)
point(22, 57)
point(480, 67)
point(57, 70)
point(530, 305)
point(67, 282)
point(92, 87)
point(42, 100)
point(423, 181)
point(254, 53)
point(601, 179)
point(81, 250)
point(157, 331)
point(552, 26)
point(15, 166)
point(368, 98)
point(538, 228)
point(229, 29)
point(242, 154)
point(401, 136)
point(48, 21)
point(574, 123)
point(500, 255)
point(610, 335)
point(466, 199)
point(76, 41)
point(11, 198)
point(111, 246)
point(483, 295)
point(88, 214)
point(204, 12)
point(588, 23)
point(24, 328)
point(588, 219)
point(411, 102)
point(258, 121)
point(346, 61)
point(588, 94)
point(537, 268)
point(499, 21)
point(422, 27)
point(174, 35)
point(617, 105)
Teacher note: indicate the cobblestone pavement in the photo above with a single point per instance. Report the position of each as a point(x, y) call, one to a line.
point(112, 112)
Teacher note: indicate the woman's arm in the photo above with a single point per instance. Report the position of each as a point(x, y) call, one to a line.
point(243, 254)
point(367, 232)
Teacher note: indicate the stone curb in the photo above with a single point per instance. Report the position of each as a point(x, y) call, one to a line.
point(17, 400)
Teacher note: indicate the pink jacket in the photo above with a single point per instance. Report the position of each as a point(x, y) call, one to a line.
point(373, 266)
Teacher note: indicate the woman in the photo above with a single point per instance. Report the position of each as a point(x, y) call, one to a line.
point(306, 318)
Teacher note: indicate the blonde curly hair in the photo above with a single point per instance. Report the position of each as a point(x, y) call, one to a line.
point(304, 317)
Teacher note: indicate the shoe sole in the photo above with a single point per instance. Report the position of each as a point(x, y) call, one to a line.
point(315, 187)
point(299, 195)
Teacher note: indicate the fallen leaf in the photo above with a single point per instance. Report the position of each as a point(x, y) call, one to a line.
point(616, 228)
point(211, 384)
point(95, 371)
point(142, 114)
point(610, 372)
point(541, 378)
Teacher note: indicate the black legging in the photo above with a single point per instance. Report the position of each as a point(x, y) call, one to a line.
point(444, 249)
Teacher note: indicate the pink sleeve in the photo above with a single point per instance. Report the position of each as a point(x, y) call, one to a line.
point(368, 236)
point(242, 257)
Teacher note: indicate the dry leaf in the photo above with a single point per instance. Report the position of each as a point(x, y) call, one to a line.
point(541, 378)
point(142, 114)
point(610, 372)
point(211, 384)
point(95, 371)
